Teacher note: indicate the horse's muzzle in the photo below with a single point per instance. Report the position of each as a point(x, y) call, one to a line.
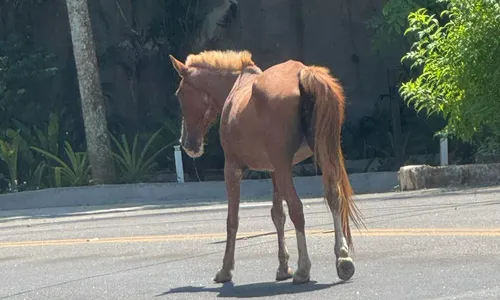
point(193, 148)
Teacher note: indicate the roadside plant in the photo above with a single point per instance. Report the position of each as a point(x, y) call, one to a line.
point(135, 165)
point(9, 152)
point(76, 173)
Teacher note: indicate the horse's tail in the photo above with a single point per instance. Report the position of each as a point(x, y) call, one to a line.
point(322, 109)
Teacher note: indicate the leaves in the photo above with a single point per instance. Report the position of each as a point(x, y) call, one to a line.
point(76, 173)
point(24, 69)
point(133, 165)
point(457, 64)
point(9, 154)
point(390, 25)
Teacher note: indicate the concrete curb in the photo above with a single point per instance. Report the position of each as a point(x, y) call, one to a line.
point(426, 177)
point(190, 192)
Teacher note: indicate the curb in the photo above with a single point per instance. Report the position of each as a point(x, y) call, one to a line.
point(419, 177)
point(182, 193)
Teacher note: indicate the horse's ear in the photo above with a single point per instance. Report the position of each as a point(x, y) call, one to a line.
point(178, 66)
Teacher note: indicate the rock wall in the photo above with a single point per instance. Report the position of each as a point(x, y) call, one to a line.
point(136, 73)
point(328, 33)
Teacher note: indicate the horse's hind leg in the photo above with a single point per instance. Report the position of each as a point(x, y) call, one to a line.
point(344, 263)
point(232, 177)
point(279, 218)
point(286, 188)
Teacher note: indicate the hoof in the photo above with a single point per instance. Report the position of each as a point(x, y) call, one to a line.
point(301, 277)
point(284, 274)
point(223, 276)
point(345, 268)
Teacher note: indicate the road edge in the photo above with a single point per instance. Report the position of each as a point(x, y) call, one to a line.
point(182, 193)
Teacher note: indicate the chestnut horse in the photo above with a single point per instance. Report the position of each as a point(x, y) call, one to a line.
point(269, 121)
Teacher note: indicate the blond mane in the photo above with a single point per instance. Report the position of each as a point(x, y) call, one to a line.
point(228, 60)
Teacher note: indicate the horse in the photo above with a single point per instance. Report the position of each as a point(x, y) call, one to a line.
point(269, 121)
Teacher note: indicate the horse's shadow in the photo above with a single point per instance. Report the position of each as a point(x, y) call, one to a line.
point(254, 290)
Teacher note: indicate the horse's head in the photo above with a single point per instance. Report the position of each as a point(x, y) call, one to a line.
point(198, 109)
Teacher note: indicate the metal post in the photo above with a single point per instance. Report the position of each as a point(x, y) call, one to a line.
point(443, 147)
point(178, 164)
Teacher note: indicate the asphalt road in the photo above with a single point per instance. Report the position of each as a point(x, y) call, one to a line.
point(419, 245)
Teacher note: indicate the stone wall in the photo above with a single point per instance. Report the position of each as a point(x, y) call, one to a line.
point(329, 33)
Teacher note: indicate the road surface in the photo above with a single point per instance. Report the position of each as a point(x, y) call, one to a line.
point(418, 245)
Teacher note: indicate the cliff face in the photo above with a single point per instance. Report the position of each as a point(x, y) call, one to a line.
point(134, 39)
point(329, 33)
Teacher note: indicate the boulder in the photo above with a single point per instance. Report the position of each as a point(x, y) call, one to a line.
point(418, 177)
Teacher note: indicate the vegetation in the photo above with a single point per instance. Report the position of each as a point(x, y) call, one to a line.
point(76, 173)
point(42, 137)
point(449, 53)
point(389, 26)
point(417, 128)
point(134, 165)
point(457, 60)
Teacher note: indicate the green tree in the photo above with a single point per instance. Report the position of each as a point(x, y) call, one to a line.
point(457, 59)
point(389, 25)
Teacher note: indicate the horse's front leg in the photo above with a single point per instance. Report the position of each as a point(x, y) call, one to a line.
point(232, 177)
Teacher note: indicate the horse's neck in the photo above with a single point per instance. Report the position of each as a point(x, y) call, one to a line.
point(246, 77)
point(252, 70)
point(218, 87)
point(221, 87)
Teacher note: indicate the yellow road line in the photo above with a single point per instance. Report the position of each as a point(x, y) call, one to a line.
point(491, 232)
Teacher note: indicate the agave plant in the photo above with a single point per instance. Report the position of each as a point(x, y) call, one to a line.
point(9, 152)
point(35, 177)
point(133, 164)
point(77, 173)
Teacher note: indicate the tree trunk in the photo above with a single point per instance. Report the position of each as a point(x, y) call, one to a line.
point(92, 101)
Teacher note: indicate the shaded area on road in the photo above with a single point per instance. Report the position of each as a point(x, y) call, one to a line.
point(253, 290)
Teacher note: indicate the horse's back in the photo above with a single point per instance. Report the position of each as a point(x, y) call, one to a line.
point(276, 96)
point(261, 117)
point(277, 82)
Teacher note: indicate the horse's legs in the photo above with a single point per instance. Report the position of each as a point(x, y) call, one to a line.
point(286, 188)
point(279, 218)
point(232, 177)
point(344, 263)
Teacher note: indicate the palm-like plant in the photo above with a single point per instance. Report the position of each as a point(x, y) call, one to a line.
point(132, 164)
point(76, 173)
